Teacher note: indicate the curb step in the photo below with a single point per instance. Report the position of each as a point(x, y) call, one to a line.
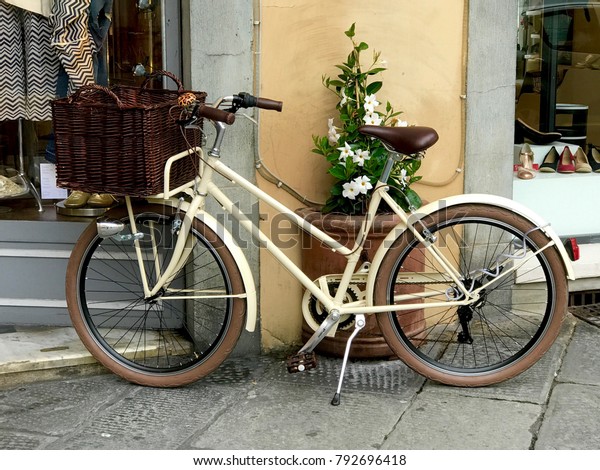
point(42, 353)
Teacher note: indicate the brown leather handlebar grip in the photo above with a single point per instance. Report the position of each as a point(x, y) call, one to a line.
point(265, 103)
point(216, 114)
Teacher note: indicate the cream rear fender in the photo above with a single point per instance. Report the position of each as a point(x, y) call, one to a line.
point(466, 199)
point(236, 251)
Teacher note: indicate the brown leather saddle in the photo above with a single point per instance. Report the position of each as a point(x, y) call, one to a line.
point(404, 140)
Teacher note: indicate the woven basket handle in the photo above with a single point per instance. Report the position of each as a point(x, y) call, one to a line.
point(80, 94)
point(161, 73)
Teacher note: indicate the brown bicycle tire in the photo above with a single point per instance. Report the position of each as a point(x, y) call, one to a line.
point(108, 358)
point(407, 351)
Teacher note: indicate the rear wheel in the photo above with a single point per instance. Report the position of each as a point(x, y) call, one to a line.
point(179, 335)
point(516, 318)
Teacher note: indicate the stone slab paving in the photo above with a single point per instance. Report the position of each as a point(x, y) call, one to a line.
point(438, 420)
point(281, 415)
point(572, 420)
point(582, 362)
point(253, 403)
point(56, 408)
point(380, 376)
point(106, 412)
point(533, 385)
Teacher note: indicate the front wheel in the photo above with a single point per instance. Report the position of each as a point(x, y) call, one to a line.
point(516, 318)
point(175, 337)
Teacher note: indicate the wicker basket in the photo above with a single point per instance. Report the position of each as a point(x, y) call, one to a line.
point(116, 140)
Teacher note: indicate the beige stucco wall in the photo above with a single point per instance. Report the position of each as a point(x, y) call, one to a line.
point(423, 44)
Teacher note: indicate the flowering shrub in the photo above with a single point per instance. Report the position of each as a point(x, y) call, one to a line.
point(357, 161)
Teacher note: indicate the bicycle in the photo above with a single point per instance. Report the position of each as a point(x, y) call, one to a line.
point(467, 291)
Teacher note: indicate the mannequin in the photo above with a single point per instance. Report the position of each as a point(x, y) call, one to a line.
point(80, 28)
point(80, 31)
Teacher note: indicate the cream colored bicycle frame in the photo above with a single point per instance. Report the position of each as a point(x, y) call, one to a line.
point(205, 186)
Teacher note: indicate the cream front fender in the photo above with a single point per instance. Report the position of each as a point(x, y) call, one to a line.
point(467, 199)
point(239, 256)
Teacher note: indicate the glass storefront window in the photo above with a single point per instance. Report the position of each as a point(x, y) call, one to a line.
point(137, 40)
point(558, 68)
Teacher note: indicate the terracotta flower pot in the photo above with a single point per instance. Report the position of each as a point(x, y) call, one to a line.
point(318, 260)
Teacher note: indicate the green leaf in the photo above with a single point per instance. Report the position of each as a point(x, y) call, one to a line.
point(337, 189)
point(363, 46)
point(350, 32)
point(376, 70)
point(374, 87)
point(413, 197)
point(338, 172)
point(344, 68)
point(335, 83)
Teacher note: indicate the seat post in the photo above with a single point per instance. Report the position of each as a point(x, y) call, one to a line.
point(387, 170)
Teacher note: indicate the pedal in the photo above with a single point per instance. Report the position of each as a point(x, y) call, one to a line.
point(301, 362)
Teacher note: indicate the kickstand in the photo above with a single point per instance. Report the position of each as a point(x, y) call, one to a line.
point(358, 325)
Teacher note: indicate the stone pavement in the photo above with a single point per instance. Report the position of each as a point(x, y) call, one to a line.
point(255, 404)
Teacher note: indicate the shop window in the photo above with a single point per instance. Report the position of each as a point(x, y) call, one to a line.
point(558, 68)
point(144, 36)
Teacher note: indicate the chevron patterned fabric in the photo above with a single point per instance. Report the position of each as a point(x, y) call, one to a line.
point(28, 65)
point(71, 39)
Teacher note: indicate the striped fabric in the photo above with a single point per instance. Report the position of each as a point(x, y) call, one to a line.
point(28, 65)
point(72, 40)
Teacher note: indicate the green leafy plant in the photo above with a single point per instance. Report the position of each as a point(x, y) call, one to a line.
point(357, 161)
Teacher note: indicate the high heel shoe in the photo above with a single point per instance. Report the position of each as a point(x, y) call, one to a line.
point(524, 131)
point(565, 163)
point(594, 158)
point(550, 162)
point(581, 162)
point(525, 171)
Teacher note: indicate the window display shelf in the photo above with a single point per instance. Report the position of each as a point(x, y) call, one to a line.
point(568, 201)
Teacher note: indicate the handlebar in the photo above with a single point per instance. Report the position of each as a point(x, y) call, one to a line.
point(246, 100)
point(214, 113)
point(241, 100)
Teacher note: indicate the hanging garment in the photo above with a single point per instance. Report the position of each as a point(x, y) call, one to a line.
point(28, 65)
point(80, 38)
point(41, 7)
point(71, 39)
point(100, 21)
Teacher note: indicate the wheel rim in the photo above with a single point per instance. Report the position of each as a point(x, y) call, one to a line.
point(505, 325)
point(158, 335)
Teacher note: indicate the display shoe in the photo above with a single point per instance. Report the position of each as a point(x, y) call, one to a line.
point(594, 158)
point(525, 171)
point(524, 131)
point(581, 162)
point(101, 200)
point(76, 200)
point(550, 162)
point(565, 163)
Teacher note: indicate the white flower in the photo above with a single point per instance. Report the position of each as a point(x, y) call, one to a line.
point(363, 183)
point(332, 135)
point(372, 119)
point(346, 152)
point(400, 123)
point(370, 103)
point(351, 189)
point(403, 178)
point(344, 98)
point(360, 156)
